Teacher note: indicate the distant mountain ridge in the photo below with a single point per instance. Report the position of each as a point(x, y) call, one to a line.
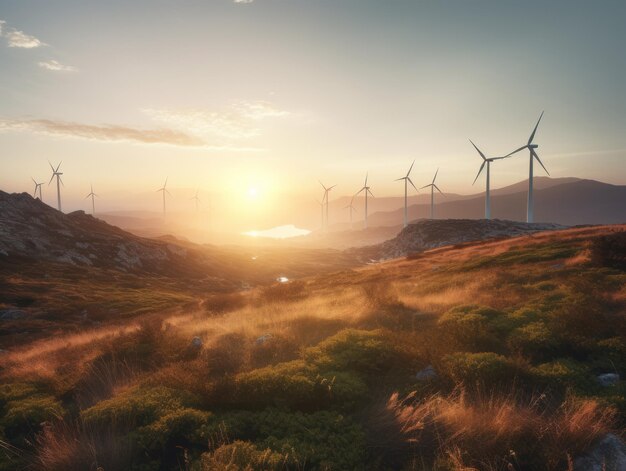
point(571, 202)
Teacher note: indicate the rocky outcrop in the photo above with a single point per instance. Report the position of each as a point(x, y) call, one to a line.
point(432, 233)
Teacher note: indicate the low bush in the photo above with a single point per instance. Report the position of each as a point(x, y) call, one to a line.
point(610, 250)
point(563, 374)
point(535, 340)
point(136, 407)
point(482, 369)
point(470, 328)
point(321, 440)
point(365, 352)
point(284, 292)
point(245, 456)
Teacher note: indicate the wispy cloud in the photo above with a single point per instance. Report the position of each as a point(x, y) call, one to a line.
point(20, 39)
point(243, 1)
point(115, 133)
point(56, 66)
point(214, 130)
point(239, 121)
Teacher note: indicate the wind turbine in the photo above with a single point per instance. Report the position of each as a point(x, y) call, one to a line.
point(533, 155)
point(407, 180)
point(164, 190)
point(37, 187)
point(351, 209)
point(56, 173)
point(195, 197)
point(432, 194)
point(93, 203)
point(486, 161)
point(325, 199)
point(366, 189)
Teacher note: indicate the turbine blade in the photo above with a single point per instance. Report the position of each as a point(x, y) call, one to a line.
point(33, 180)
point(323, 186)
point(398, 179)
point(478, 150)
point(167, 191)
point(412, 184)
point(438, 189)
point(410, 168)
point(61, 180)
point(426, 186)
point(540, 162)
point(58, 166)
point(51, 166)
point(366, 175)
point(532, 136)
point(370, 192)
point(332, 187)
point(479, 170)
point(435, 177)
point(514, 152)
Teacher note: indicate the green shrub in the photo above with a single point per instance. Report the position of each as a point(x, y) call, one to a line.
point(322, 440)
point(24, 415)
point(486, 368)
point(565, 374)
point(298, 384)
point(469, 328)
point(365, 352)
point(244, 456)
point(181, 427)
point(535, 340)
point(137, 407)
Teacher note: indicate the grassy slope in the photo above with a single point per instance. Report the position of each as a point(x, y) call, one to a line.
point(516, 330)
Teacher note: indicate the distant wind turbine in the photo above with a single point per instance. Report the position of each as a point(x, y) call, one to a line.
point(533, 155)
point(93, 203)
point(486, 161)
point(407, 180)
point(366, 190)
point(352, 209)
point(37, 188)
point(164, 190)
point(56, 173)
point(325, 200)
point(433, 187)
point(195, 197)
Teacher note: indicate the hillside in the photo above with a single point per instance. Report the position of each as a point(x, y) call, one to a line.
point(502, 354)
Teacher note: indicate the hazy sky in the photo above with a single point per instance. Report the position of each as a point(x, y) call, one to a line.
point(274, 94)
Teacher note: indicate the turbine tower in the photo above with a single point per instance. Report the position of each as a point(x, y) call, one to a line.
point(195, 197)
point(325, 200)
point(351, 209)
point(365, 189)
point(93, 203)
point(433, 187)
point(321, 203)
point(37, 188)
point(164, 190)
point(533, 155)
point(407, 180)
point(486, 161)
point(56, 173)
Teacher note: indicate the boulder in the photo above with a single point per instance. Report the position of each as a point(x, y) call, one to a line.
point(196, 342)
point(609, 454)
point(426, 374)
point(608, 379)
point(11, 314)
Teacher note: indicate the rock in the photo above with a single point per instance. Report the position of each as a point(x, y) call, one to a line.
point(608, 379)
point(11, 314)
point(609, 454)
point(426, 374)
point(263, 338)
point(196, 342)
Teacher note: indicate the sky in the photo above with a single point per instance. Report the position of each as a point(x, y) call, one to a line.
point(251, 102)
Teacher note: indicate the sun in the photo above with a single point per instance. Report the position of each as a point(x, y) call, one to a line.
point(253, 192)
